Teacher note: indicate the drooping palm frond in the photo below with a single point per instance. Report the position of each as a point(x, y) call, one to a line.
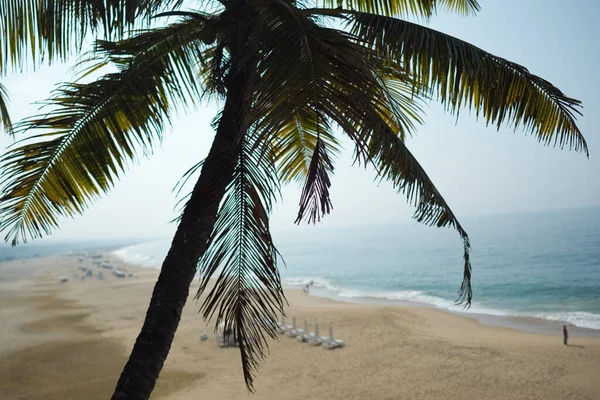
point(94, 129)
point(380, 144)
point(402, 8)
point(378, 137)
point(4, 114)
point(317, 68)
point(323, 72)
point(314, 200)
point(374, 110)
point(324, 76)
point(405, 104)
point(395, 163)
point(295, 143)
point(464, 75)
point(283, 41)
point(247, 296)
point(35, 30)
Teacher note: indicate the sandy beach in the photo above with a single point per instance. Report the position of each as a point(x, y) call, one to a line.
point(70, 341)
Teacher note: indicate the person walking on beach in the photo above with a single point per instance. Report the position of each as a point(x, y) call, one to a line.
point(306, 287)
point(565, 335)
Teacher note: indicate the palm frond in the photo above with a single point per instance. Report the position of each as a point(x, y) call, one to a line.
point(247, 295)
point(463, 7)
point(315, 201)
point(378, 137)
point(94, 129)
point(358, 100)
point(38, 30)
point(295, 143)
point(395, 163)
point(4, 114)
point(319, 69)
point(324, 74)
point(464, 75)
point(405, 103)
point(287, 60)
point(403, 8)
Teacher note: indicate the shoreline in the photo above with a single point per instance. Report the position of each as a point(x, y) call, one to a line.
point(71, 340)
point(529, 324)
point(518, 323)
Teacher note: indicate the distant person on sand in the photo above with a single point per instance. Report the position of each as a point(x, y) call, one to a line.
point(306, 287)
point(565, 335)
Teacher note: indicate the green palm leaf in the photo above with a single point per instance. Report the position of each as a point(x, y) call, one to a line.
point(317, 68)
point(315, 201)
point(48, 29)
point(247, 296)
point(378, 141)
point(322, 73)
point(374, 110)
point(295, 144)
point(464, 75)
point(93, 129)
point(420, 8)
point(405, 103)
point(4, 115)
point(395, 163)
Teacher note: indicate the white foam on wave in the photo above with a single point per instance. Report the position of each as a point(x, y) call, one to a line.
point(141, 254)
point(135, 255)
point(419, 297)
point(320, 283)
point(578, 318)
point(413, 296)
point(581, 319)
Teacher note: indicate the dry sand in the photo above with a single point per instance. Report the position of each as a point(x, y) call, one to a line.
point(70, 341)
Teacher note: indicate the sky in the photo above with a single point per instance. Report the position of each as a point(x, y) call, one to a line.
point(478, 169)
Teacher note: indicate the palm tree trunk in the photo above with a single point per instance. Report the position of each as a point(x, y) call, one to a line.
point(188, 246)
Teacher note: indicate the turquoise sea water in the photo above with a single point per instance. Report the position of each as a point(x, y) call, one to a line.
point(543, 264)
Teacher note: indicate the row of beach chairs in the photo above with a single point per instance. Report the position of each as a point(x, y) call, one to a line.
point(313, 339)
point(302, 335)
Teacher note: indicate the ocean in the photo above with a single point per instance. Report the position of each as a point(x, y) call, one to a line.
point(44, 248)
point(544, 264)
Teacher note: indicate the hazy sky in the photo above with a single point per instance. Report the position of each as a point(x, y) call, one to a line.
point(478, 169)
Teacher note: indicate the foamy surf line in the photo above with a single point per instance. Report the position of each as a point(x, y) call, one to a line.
point(141, 254)
point(325, 288)
point(138, 255)
point(133, 258)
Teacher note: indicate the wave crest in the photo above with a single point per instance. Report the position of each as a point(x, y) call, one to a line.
point(580, 319)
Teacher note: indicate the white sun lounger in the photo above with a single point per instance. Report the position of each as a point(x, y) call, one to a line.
point(298, 333)
point(331, 342)
point(317, 340)
point(282, 327)
point(293, 332)
point(305, 335)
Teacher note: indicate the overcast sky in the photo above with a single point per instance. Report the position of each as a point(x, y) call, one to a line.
point(478, 170)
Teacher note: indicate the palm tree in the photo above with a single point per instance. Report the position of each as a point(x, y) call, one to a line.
point(291, 77)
